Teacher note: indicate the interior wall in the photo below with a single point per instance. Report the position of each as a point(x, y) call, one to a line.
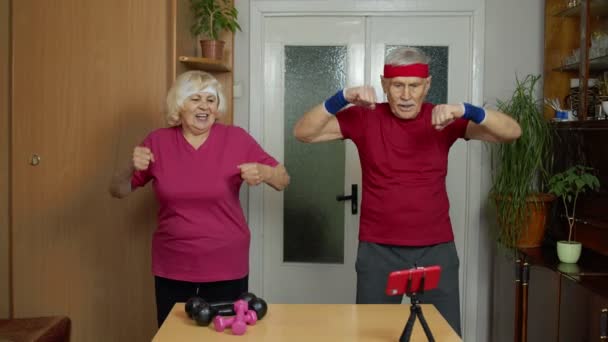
point(4, 156)
point(510, 50)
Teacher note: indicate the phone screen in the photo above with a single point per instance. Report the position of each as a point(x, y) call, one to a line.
point(397, 283)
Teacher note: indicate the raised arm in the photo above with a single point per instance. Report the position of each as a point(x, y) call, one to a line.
point(320, 124)
point(256, 173)
point(484, 124)
point(277, 177)
point(120, 186)
point(497, 127)
point(317, 125)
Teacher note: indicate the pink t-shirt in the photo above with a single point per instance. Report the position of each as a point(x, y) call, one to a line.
point(404, 165)
point(202, 235)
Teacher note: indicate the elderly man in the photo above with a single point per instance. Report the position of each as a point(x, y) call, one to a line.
point(403, 147)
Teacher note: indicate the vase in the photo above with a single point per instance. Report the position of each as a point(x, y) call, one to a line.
point(533, 230)
point(569, 251)
point(213, 49)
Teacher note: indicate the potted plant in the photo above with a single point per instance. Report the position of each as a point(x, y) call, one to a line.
point(211, 17)
point(520, 170)
point(568, 185)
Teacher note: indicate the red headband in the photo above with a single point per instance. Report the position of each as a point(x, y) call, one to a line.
point(410, 70)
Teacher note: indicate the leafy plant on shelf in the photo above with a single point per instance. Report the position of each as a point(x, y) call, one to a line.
point(211, 17)
point(568, 185)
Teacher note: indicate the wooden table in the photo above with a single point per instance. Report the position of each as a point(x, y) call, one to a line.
point(315, 322)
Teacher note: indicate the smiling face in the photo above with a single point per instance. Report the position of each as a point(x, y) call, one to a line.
point(199, 112)
point(406, 94)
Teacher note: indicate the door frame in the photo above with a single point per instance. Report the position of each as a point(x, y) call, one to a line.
point(475, 307)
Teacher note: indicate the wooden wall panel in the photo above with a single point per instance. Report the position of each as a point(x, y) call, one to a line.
point(4, 153)
point(185, 44)
point(87, 88)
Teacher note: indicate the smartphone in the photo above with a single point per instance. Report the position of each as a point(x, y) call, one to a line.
point(397, 280)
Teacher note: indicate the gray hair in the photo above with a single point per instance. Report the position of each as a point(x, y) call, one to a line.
point(184, 86)
point(405, 56)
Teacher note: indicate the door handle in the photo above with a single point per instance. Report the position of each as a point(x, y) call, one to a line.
point(353, 197)
point(35, 160)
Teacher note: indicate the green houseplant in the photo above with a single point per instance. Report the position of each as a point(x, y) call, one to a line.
point(211, 18)
point(568, 185)
point(520, 170)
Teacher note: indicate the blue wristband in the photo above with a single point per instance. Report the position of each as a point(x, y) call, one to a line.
point(474, 113)
point(336, 102)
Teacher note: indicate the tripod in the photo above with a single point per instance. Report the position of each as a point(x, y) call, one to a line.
point(415, 311)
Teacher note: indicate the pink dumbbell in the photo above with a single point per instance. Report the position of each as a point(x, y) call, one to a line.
point(237, 323)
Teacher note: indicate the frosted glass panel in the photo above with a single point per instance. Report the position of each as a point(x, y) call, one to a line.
point(438, 68)
point(313, 219)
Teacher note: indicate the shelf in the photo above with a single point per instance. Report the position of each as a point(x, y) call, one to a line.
point(598, 8)
point(595, 64)
point(586, 125)
point(205, 64)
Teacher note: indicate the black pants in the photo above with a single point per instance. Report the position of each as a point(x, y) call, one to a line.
point(376, 261)
point(169, 292)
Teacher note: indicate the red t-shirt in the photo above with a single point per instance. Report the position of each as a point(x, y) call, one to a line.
point(404, 165)
point(202, 235)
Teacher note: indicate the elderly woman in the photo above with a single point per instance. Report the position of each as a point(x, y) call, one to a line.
point(196, 166)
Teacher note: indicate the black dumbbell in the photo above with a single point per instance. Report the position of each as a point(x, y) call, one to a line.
point(259, 306)
point(255, 303)
point(203, 312)
point(194, 304)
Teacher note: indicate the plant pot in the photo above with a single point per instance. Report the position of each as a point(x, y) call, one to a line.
point(533, 231)
point(569, 251)
point(213, 49)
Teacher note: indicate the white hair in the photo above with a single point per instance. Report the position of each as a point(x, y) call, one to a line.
point(405, 56)
point(188, 84)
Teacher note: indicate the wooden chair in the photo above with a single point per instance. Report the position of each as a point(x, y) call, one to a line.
point(39, 329)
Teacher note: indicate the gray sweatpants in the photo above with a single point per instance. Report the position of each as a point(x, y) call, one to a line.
point(376, 261)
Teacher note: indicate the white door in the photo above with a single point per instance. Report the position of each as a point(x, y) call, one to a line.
point(309, 239)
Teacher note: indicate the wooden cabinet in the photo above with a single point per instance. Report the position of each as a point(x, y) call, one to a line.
point(81, 97)
point(186, 54)
point(568, 304)
point(564, 302)
point(581, 309)
point(576, 48)
point(570, 53)
point(4, 156)
point(582, 142)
